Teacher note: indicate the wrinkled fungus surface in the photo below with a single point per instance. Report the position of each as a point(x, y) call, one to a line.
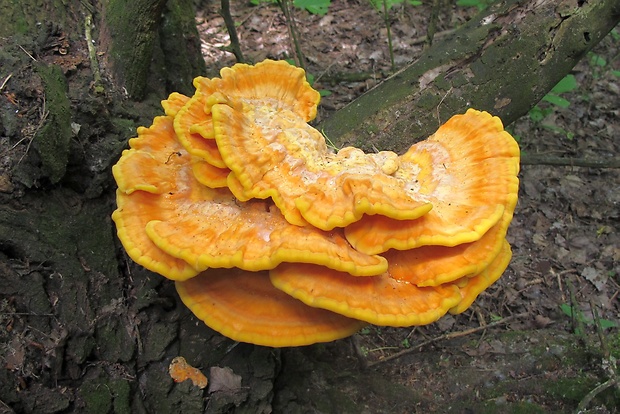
point(275, 239)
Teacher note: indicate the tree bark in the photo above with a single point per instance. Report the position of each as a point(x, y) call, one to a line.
point(128, 35)
point(502, 61)
point(134, 32)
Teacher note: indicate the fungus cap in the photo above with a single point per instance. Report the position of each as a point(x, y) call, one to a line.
point(207, 227)
point(142, 175)
point(468, 172)
point(275, 153)
point(471, 287)
point(245, 307)
point(434, 265)
point(380, 300)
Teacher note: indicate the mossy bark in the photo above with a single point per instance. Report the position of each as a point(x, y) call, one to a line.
point(128, 35)
point(52, 140)
point(25, 16)
point(180, 46)
point(503, 61)
point(135, 34)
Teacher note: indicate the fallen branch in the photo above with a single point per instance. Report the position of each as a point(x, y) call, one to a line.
point(534, 159)
point(447, 336)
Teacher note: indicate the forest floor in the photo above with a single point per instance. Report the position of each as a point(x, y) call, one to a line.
point(544, 338)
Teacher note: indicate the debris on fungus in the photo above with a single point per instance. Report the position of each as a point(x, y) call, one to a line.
point(180, 371)
point(272, 238)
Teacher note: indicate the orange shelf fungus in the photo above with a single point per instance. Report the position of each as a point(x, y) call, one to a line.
point(471, 287)
point(245, 307)
point(275, 239)
point(207, 227)
point(468, 173)
point(380, 300)
point(274, 153)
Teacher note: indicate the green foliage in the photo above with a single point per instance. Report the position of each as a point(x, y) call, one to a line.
point(319, 7)
point(480, 4)
point(537, 114)
point(378, 4)
point(581, 319)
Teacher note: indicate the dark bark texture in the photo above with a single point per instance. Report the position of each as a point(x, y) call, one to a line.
point(502, 61)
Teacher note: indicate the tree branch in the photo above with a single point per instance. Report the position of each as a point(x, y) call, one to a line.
point(503, 61)
point(535, 159)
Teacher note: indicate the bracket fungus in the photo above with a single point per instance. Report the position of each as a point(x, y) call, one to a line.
point(272, 238)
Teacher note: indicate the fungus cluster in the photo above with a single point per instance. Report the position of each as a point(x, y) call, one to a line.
point(273, 238)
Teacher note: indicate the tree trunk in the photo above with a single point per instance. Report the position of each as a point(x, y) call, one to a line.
point(133, 32)
point(502, 61)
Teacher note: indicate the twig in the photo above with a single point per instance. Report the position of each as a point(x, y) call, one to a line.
point(439, 104)
point(5, 81)
point(535, 159)
point(388, 27)
point(33, 133)
point(609, 363)
point(448, 336)
point(589, 396)
point(9, 409)
point(432, 23)
point(26, 52)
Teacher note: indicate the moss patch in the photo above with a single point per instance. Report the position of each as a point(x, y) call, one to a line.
point(52, 140)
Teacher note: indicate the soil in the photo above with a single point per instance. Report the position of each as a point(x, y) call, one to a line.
point(83, 329)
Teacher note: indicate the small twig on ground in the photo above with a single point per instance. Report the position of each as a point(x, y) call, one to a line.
point(5, 81)
point(432, 23)
point(32, 132)
point(448, 336)
point(26, 52)
point(439, 104)
point(6, 406)
point(536, 159)
point(599, 389)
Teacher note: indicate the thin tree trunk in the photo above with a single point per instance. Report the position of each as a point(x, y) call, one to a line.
point(128, 35)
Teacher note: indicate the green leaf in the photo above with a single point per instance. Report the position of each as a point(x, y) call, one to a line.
point(567, 309)
point(537, 114)
point(607, 324)
point(480, 4)
point(596, 60)
point(319, 7)
point(556, 100)
point(378, 4)
point(567, 84)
